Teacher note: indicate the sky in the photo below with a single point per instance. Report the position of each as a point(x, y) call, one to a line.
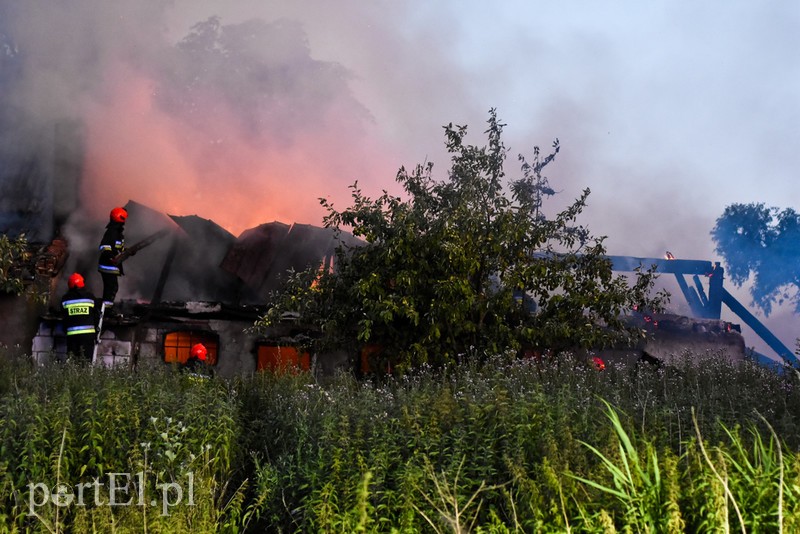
point(668, 111)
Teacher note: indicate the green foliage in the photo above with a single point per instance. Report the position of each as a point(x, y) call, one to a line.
point(71, 425)
point(450, 269)
point(638, 483)
point(762, 242)
point(505, 446)
point(12, 252)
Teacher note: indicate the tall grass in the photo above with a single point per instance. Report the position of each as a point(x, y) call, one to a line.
point(505, 446)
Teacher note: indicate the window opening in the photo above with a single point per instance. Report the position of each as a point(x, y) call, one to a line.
point(177, 345)
point(281, 358)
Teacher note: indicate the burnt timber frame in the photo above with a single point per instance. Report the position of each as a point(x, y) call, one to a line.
point(706, 306)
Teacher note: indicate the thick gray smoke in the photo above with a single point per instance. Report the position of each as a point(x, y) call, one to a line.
point(245, 112)
point(236, 121)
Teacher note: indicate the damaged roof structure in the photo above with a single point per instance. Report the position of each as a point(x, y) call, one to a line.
point(196, 282)
point(198, 260)
point(200, 283)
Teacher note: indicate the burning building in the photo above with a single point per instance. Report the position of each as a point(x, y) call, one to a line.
point(200, 283)
point(197, 283)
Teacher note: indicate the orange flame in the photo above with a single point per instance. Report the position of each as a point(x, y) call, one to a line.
point(136, 151)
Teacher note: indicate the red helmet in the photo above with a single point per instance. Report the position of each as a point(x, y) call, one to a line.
point(199, 351)
point(75, 280)
point(118, 215)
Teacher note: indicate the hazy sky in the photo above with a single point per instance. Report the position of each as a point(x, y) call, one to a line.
point(667, 110)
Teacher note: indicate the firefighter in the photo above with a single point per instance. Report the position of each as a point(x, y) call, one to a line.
point(80, 321)
point(113, 243)
point(197, 363)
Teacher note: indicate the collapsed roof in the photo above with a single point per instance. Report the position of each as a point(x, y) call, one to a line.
point(198, 260)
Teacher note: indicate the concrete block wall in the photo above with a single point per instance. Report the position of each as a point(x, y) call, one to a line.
point(237, 348)
point(113, 352)
point(119, 344)
point(49, 344)
point(149, 353)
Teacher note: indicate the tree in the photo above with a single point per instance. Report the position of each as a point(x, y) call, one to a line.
point(763, 242)
point(13, 251)
point(446, 270)
point(261, 75)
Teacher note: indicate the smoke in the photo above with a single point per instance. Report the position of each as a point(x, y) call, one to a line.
point(234, 121)
point(246, 112)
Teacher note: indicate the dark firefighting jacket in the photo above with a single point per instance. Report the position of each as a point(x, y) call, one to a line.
point(113, 243)
point(80, 315)
point(196, 366)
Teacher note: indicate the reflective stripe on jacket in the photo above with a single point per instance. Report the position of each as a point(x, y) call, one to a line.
point(80, 313)
point(108, 268)
point(81, 306)
point(75, 330)
point(113, 243)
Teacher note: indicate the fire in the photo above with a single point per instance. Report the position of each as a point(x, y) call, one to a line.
point(137, 151)
point(325, 266)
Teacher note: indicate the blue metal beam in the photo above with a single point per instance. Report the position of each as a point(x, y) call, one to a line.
point(710, 306)
point(758, 327)
point(700, 290)
point(698, 310)
point(631, 263)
